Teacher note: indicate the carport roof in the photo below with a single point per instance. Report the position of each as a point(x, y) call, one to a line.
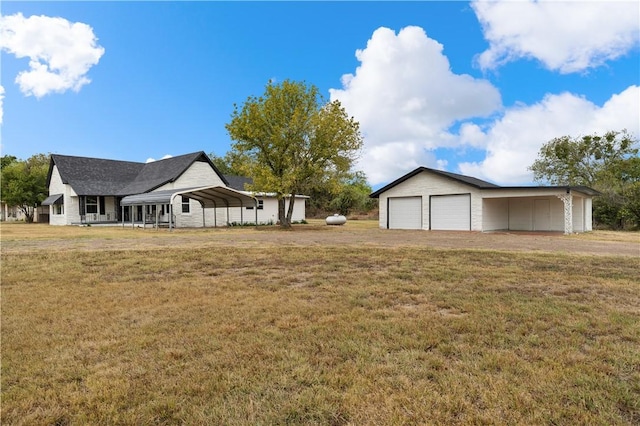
point(209, 196)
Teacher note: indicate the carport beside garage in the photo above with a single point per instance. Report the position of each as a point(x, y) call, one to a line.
point(555, 209)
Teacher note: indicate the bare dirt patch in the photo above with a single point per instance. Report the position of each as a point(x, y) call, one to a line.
point(20, 238)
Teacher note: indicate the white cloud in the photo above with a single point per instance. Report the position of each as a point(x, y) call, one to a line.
point(151, 159)
point(60, 52)
point(514, 140)
point(405, 97)
point(566, 36)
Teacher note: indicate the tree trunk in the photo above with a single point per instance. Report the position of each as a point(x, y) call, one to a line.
point(29, 213)
point(290, 210)
point(282, 216)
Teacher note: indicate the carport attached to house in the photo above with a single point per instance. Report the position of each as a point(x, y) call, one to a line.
point(208, 197)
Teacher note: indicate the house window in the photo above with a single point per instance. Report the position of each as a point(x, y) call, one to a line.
point(260, 205)
point(92, 205)
point(185, 204)
point(58, 208)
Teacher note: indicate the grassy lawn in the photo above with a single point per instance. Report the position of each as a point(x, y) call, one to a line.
point(326, 334)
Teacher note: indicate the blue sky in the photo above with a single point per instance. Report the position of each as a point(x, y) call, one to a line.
point(473, 88)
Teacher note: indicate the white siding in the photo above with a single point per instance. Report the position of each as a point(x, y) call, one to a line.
point(425, 184)
point(578, 214)
point(269, 212)
point(588, 214)
point(199, 174)
point(71, 201)
point(541, 214)
point(495, 214)
point(522, 214)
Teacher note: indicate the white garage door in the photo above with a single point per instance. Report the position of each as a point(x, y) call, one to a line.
point(451, 212)
point(405, 213)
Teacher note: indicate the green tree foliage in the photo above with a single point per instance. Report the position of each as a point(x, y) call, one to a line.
point(607, 163)
point(353, 195)
point(24, 183)
point(290, 141)
point(227, 165)
point(6, 160)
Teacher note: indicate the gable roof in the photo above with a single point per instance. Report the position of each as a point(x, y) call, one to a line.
point(94, 176)
point(476, 183)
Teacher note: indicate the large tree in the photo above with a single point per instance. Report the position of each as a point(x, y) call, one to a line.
point(607, 163)
point(290, 140)
point(24, 183)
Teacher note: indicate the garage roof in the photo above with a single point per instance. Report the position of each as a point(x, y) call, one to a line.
point(476, 183)
point(209, 196)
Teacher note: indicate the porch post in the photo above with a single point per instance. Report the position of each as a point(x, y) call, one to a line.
point(567, 200)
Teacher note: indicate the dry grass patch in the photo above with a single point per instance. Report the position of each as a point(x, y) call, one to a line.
point(319, 335)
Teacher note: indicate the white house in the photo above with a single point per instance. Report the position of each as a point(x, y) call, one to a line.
point(437, 200)
point(182, 191)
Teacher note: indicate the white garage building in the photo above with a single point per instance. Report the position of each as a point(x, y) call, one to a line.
point(437, 200)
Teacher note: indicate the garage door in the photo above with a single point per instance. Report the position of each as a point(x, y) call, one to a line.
point(450, 212)
point(405, 213)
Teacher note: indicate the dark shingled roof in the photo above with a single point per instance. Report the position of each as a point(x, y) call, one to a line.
point(94, 176)
point(477, 183)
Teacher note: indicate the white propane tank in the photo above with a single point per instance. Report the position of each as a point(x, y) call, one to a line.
point(336, 219)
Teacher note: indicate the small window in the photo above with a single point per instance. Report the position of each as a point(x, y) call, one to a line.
point(185, 205)
point(58, 208)
point(92, 205)
point(260, 205)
